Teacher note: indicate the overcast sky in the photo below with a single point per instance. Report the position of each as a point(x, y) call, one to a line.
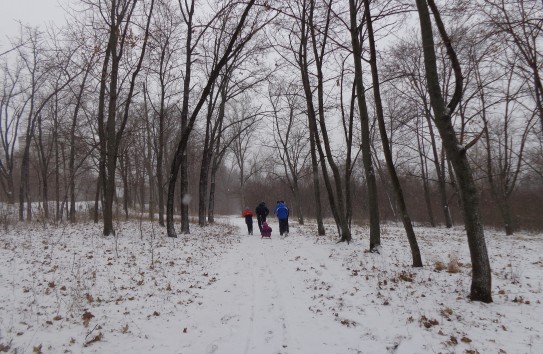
point(29, 12)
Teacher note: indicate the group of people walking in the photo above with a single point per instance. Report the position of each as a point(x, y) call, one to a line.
point(281, 211)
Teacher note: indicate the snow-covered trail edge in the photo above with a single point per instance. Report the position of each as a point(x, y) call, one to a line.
point(218, 290)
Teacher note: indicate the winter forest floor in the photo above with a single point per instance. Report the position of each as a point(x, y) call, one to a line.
point(218, 290)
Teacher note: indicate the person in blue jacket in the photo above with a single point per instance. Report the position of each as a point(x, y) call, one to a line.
point(281, 211)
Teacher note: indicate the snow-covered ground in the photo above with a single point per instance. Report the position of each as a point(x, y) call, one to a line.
point(218, 290)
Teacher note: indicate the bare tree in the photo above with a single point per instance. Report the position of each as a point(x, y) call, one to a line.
point(520, 24)
point(12, 108)
point(375, 235)
point(312, 37)
point(481, 289)
point(244, 117)
point(291, 40)
point(87, 66)
point(406, 220)
point(111, 124)
point(239, 77)
point(505, 141)
point(45, 79)
point(163, 77)
point(243, 32)
point(290, 138)
point(407, 63)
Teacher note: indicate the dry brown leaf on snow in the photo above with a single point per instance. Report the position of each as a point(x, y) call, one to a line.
point(87, 316)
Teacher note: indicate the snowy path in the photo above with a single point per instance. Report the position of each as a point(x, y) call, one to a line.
point(220, 291)
point(259, 303)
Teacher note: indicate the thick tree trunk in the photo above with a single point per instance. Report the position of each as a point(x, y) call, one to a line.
point(204, 177)
point(481, 286)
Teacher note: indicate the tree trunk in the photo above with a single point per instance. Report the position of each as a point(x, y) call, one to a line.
point(316, 185)
point(507, 217)
point(218, 156)
point(440, 171)
point(184, 194)
point(71, 168)
point(58, 215)
point(110, 137)
point(212, 186)
point(160, 177)
point(481, 286)
point(151, 182)
point(297, 202)
point(97, 199)
point(397, 187)
point(24, 194)
point(125, 165)
point(207, 155)
point(424, 176)
point(336, 197)
point(375, 232)
point(43, 163)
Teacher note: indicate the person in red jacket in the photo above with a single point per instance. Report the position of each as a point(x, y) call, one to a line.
point(248, 215)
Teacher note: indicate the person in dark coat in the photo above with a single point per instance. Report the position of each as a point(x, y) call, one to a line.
point(281, 211)
point(262, 212)
point(248, 215)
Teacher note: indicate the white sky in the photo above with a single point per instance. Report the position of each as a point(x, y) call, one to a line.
point(29, 12)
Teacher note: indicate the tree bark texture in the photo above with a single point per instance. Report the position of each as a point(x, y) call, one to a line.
point(481, 275)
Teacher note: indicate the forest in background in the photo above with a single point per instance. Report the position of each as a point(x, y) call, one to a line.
point(254, 122)
point(361, 111)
